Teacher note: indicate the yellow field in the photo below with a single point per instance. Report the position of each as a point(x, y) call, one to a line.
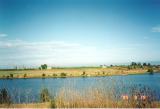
point(71, 72)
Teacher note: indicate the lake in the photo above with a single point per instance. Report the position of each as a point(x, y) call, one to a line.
point(28, 90)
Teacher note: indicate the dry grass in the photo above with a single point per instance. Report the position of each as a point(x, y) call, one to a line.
point(31, 105)
point(69, 97)
point(98, 99)
point(72, 72)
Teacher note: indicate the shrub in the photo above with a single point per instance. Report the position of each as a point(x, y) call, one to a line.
point(54, 74)
point(129, 67)
point(25, 75)
point(7, 77)
point(103, 72)
point(11, 75)
point(63, 74)
point(84, 73)
point(53, 103)
point(44, 95)
point(150, 70)
point(43, 75)
point(4, 96)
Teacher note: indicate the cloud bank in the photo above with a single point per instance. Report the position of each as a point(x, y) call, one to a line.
point(156, 29)
point(61, 53)
point(2, 35)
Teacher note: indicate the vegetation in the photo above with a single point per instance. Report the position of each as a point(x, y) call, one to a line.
point(11, 75)
point(4, 97)
point(99, 97)
point(84, 73)
point(44, 66)
point(43, 75)
point(133, 68)
point(63, 75)
point(150, 70)
point(54, 75)
point(25, 75)
point(44, 95)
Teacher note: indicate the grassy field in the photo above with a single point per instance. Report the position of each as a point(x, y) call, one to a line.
point(70, 72)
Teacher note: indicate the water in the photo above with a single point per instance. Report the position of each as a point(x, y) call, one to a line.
point(28, 90)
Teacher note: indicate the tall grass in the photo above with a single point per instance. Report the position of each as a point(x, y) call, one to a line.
point(102, 96)
point(98, 98)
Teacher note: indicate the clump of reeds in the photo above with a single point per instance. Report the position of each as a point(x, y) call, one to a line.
point(4, 96)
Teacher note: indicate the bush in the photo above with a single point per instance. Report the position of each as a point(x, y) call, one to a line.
point(44, 95)
point(63, 74)
point(7, 77)
point(54, 75)
point(11, 75)
point(4, 96)
point(53, 103)
point(25, 75)
point(150, 70)
point(83, 73)
point(43, 75)
point(103, 72)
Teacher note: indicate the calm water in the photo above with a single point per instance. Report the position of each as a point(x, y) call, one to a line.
point(28, 90)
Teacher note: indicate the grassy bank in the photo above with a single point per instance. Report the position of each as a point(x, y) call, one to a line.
point(70, 72)
point(86, 105)
point(92, 98)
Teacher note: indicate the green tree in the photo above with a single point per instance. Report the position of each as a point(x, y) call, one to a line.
point(44, 66)
point(144, 64)
point(133, 64)
point(148, 64)
point(139, 64)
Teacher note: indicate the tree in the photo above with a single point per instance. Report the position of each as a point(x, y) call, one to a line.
point(148, 64)
point(44, 66)
point(133, 64)
point(139, 64)
point(144, 64)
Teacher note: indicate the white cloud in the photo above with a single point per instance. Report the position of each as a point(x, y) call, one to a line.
point(60, 53)
point(3, 35)
point(53, 52)
point(156, 29)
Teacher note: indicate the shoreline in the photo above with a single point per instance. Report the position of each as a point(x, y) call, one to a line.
point(75, 76)
point(70, 73)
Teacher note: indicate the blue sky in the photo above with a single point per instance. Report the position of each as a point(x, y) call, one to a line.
point(79, 32)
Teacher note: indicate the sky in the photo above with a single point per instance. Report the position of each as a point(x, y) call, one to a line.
point(78, 32)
